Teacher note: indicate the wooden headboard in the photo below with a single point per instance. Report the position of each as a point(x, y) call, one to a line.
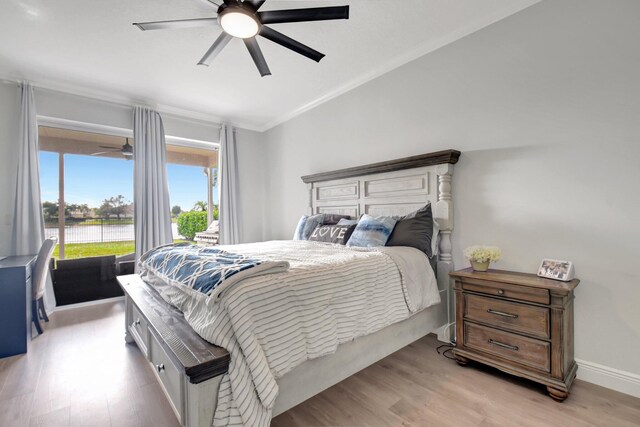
point(394, 187)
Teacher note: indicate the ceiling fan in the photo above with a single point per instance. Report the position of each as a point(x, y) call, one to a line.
point(126, 150)
point(242, 19)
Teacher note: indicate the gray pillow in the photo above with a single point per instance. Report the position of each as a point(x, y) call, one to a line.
point(332, 233)
point(306, 225)
point(414, 230)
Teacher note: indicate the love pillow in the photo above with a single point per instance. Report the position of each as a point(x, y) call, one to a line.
point(332, 233)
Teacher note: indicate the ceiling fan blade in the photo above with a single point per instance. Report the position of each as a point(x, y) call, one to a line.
point(255, 3)
point(289, 43)
point(178, 23)
point(256, 54)
point(100, 153)
point(215, 49)
point(108, 147)
point(300, 15)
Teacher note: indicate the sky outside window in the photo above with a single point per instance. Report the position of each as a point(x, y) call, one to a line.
point(91, 179)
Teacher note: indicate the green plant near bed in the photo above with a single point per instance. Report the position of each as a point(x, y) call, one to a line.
point(190, 223)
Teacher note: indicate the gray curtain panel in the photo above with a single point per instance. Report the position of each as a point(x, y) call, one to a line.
point(229, 210)
point(28, 227)
point(152, 214)
point(28, 224)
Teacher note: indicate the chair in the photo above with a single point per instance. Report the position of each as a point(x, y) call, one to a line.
point(39, 280)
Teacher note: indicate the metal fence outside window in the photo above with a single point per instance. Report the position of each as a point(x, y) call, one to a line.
point(96, 230)
point(92, 230)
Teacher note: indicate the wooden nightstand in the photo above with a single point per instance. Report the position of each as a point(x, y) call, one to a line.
point(519, 323)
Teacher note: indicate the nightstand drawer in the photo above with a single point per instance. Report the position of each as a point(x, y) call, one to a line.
point(506, 290)
point(525, 351)
point(527, 319)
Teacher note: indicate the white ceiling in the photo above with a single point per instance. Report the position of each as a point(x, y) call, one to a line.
point(91, 45)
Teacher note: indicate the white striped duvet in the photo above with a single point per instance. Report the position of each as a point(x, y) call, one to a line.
point(270, 324)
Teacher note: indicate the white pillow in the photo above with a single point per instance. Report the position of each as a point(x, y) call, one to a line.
point(434, 238)
point(345, 221)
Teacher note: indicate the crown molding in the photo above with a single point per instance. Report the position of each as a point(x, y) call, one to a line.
point(401, 60)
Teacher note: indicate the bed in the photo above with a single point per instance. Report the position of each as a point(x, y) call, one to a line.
point(192, 371)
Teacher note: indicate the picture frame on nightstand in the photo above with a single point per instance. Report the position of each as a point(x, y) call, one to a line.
point(556, 269)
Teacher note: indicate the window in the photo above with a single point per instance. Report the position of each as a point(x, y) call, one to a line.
point(87, 189)
point(87, 193)
point(193, 186)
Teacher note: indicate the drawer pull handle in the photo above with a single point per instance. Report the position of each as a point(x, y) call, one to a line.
point(160, 367)
point(503, 314)
point(501, 291)
point(503, 345)
point(137, 322)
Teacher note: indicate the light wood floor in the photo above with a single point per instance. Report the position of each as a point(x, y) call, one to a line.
point(80, 373)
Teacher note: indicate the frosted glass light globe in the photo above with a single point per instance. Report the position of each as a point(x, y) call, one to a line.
point(239, 24)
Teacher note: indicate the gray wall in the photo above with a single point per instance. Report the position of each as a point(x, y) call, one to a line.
point(89, 110)
point(252, 170)
point(545, 106)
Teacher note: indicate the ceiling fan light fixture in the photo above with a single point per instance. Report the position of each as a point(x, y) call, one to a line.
point(241, 19)
point(239, 22)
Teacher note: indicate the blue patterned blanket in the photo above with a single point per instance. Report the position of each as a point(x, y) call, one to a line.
point(205, 269)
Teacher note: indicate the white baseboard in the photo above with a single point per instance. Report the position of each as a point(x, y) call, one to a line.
point(86, 304)
point(605, 376)
point(444, 333)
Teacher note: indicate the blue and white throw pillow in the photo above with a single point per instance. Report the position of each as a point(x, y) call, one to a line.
point(306, 225)
point(372, 231)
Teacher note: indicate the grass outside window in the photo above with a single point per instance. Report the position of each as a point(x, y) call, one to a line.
point(84, 250)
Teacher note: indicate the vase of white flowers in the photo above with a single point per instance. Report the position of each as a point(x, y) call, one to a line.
point(481, 256)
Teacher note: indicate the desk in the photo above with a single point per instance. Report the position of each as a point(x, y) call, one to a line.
point(15, 304)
